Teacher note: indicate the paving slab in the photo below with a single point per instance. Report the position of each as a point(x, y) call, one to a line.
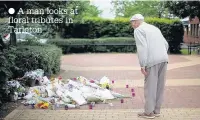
point(117, 114)
point(110, 59)
point(181, 99)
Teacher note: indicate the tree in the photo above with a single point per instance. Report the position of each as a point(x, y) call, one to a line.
point(184, 8)
point(146, 8)
point(84, 9)
point(88, 10)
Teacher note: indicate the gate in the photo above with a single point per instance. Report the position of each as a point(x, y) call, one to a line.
point(192, 38)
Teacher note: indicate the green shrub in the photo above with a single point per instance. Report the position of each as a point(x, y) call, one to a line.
point(82, 41)
point(7, 67)
point(27, 56)
point(120, 27)
point(4, 28)
point(119, 44)
point(172, 30)
point(38, 56)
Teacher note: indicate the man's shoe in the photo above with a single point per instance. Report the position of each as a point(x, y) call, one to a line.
point(144, 115)
point(156, 114)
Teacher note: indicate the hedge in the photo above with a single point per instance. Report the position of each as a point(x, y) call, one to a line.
point(120, 27)
point(38, 56)
point(7, 67)
point(119, 44)
point(26, 56)
point(4, 27)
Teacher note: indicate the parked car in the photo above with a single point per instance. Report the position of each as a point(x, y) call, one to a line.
point(23, 36)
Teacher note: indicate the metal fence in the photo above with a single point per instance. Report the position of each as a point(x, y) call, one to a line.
point(192, 38)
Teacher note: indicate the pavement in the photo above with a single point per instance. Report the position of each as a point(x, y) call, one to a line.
point(181, 98)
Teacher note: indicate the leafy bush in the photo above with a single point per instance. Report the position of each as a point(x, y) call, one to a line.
point(119, 44)
point(120, 27)
point(7, 67)
point(4, 28)
point(37, 56)
point(15, 61)
point(173, 31)
point(81, 41)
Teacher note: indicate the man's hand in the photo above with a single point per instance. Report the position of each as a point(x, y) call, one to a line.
point(144, 72)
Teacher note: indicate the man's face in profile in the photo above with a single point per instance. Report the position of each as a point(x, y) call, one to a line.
point(135, 24)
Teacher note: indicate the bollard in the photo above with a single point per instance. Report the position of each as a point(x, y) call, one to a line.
point(132, 90)
point(122, 100)
point(133, 94)
point(113, 81)
point(90, 106)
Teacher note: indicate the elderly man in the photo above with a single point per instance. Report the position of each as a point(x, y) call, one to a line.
point(153, 58)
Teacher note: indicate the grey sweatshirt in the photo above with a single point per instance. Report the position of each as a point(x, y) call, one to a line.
point(151, 45)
